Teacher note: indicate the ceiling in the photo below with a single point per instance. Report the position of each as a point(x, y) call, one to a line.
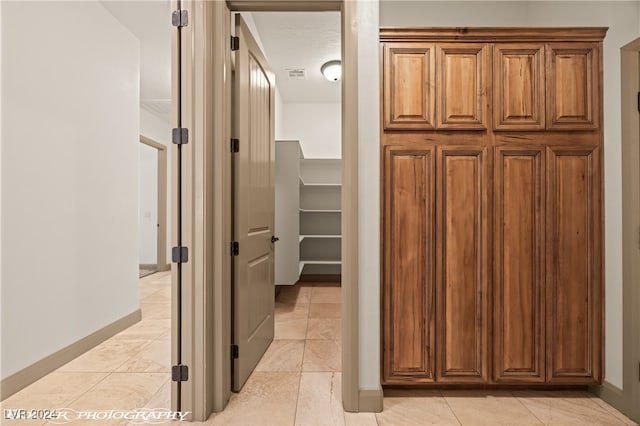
point(290, 40)
point(295, 40)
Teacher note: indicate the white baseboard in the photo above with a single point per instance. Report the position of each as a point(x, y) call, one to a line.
point(39, 369)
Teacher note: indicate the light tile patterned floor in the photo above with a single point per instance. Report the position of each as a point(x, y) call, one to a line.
point(297, 382)
point(130, 370)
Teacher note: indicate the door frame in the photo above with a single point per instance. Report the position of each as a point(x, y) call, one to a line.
point(630, 77)
point(161, 241)
point(623, 399)
point(201, 98)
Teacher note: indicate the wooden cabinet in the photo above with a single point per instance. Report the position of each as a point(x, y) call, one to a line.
point(536, 86)
point(409, 299)
point(409, 83)
point(574, 297)
point(492, 206)
point(518, 87)
point(461, 268)
point(573, 85)
point(462, 85)
point(519, 262)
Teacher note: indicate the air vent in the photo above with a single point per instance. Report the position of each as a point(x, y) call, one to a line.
point(297, 74)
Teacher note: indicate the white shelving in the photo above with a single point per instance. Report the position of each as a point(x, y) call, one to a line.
point(312, 189)
point(320, 212)
point(319, 236)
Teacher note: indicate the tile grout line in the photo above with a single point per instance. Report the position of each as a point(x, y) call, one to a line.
point(304, 349)
point(450, 407)
point(158, 392)
point(527, 408)
point(88, 390)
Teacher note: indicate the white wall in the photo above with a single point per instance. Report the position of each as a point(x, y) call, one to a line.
point(316, 126)
point(158, 129)
point(70, 80)
point(148, 205)
point(622, 18)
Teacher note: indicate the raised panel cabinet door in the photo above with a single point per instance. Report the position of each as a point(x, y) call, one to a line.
point(518, 87)
point(409, 81)
point(573, 90)
point(462, 86)
point(408, 294)
point(519, 268)
point(574, 266)
point(462, 255)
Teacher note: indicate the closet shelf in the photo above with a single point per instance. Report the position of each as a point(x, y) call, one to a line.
point(319, 211)
point(329, 185)
point(302, 237)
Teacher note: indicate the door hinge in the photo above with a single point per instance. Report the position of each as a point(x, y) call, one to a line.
point(235, 248)
point(235, 145)
point(234, 352)
point(180, 18)
point(179, 373)
point(180, 254)
point(180, 135)
point(235, 43)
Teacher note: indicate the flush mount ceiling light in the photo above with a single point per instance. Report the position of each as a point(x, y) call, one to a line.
point(332, 70)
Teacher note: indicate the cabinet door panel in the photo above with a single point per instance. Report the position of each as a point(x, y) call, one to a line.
point(462, 86)
point(409, 76)
point(408, 247)
point(518, 85)
point(574, 299)
point(461, 268)
point(519, 265)
point(572, 86)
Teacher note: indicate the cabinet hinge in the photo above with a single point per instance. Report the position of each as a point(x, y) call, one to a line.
point(234, 352)
point(235, 248)
point(180, 136)
point(180, 18)
point(638, 101)
point(235, 145)
point(180, 254)
point(179, 373)
point(235, 43)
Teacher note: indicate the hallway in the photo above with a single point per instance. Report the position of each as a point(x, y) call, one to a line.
point(297, 382)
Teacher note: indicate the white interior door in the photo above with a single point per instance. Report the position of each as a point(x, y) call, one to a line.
point(254, 199)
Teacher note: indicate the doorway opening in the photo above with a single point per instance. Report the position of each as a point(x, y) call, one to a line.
point(203, 281)
point(152, 208)
point(305, 342)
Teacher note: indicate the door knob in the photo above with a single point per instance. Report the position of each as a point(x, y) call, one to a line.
point(274, 238)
